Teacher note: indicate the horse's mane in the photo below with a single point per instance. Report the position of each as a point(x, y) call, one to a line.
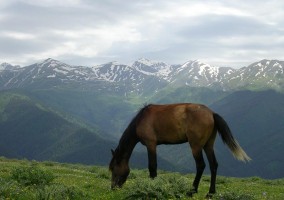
point(127, 134)
point(135, 120)
point(131, 129)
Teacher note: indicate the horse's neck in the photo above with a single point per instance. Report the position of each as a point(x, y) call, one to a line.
point(127, 143)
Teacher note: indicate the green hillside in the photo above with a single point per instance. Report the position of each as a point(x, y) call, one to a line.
point(104, 111)
point(31, 180)
point(30, 130)
point(256, 119)
point(188, 94)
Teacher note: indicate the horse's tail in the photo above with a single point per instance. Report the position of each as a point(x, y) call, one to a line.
point(228, 139)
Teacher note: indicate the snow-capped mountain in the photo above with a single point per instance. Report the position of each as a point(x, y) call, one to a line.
point(143, 76)
point(126, 79)
point(198, 74)
point(159, 69)
point(44, 74)
point(109, 77)
point(265, 73)
point(7, 66)
point(115, 72)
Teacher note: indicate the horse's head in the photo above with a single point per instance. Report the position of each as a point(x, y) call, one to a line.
point(120, 170)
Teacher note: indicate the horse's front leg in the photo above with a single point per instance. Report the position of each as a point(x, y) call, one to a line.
point(152, 160)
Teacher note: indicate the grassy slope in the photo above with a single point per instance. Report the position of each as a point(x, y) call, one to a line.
point(93, 182)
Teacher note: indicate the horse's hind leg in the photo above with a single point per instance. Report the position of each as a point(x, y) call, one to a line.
point(213, 167)
point(152, 160)
point(200, 166)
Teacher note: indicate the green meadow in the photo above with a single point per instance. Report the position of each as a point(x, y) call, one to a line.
point(28, 180)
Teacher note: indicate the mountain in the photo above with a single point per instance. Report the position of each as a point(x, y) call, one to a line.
point(144, 77)
point(256, 121)
point(30, 130)
point(126, 79)
point(46, 74)
point(110, 77)
point(202, 95)
point(198, 74)
point(159, 69)
point(89, 108)
point(7, 66)
point(104, 111)
point(259, 75)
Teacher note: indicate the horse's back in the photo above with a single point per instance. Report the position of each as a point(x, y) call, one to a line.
point(174, 123)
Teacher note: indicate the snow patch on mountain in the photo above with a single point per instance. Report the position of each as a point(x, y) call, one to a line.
point(159, 69)
point(143, 75)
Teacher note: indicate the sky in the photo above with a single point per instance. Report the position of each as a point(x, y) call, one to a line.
point(231, 33)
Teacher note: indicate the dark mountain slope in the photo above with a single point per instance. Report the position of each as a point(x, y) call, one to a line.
point(31, 131)
point(256, 119)
point(105, 112)
point(189, 94)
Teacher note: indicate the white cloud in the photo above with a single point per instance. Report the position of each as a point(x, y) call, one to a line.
point(92, 31)
point(52, 3)
point(17, 35)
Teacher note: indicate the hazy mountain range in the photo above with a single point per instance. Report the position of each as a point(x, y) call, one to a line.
point(143, 76)
point(54, 111)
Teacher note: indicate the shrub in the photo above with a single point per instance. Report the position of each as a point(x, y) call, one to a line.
point(10, 189)
point(7, 188)
point(160, 188)
point(100, 172)
point(60, 192)
point(32, 175)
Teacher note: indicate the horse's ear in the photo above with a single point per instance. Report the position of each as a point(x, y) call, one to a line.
point(112, 151)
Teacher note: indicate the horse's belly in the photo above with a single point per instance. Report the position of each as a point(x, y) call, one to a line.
point(172, 138)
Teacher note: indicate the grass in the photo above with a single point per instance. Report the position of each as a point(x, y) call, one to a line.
point(28, 180)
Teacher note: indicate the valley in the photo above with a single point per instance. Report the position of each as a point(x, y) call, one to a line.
point(54, 111)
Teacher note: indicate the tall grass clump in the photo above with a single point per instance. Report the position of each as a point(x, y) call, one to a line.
point(100, 172)
point(10, 189)
point(58, 191)
point(165, 187)
point(32, 175)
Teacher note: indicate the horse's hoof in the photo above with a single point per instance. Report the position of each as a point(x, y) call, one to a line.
point(209, 195)
point(153, 175)
point(191, 193)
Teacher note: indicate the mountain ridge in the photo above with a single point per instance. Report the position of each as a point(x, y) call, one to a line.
point(133, 79)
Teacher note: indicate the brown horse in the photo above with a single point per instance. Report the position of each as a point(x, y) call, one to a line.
point(174, 124)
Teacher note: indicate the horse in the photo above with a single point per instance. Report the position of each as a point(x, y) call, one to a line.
point(174, 124)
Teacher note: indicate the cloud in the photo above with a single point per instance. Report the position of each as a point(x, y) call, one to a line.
point(89, 32)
